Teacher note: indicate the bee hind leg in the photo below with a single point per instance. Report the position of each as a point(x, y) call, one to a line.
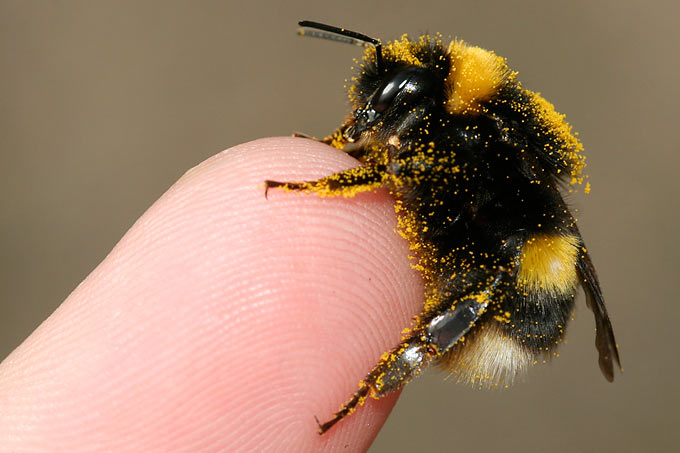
point(393, 371)
point(425, 346)
point(349, 407)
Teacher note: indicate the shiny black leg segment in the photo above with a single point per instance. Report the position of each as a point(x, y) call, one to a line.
point(425, 346)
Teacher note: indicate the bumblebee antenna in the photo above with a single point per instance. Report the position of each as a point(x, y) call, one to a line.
point(342, 35)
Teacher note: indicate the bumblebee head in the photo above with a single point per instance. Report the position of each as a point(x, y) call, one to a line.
point(399, 93)
point(399, 87)
point(408, 92)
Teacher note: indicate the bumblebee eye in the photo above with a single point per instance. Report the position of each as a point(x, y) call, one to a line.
point(388, 91)
point(412, 81)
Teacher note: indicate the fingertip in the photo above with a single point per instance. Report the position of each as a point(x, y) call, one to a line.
point(224, 319)
point(359, 289)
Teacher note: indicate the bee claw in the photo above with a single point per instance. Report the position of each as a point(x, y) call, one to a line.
point(318, 423)
point(268, 184)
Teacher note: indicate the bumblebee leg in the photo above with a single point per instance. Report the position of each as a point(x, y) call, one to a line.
point(307, 136)
point(426, 345)
point(395, 369)
point(337, 139)
point(346, 183)
point(349, 407)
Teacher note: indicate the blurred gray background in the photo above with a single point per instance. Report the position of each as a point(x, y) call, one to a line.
point(103, 105)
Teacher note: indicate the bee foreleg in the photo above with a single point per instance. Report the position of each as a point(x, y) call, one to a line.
point(307, 136)
point(346, 183)
point(337, 139)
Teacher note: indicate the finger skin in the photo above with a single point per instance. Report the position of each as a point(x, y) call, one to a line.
point(222, 321)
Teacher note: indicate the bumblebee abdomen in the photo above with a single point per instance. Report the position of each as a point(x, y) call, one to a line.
point(546, 284)
point(530, 319)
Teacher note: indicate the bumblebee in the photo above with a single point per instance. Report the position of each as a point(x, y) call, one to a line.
point(476, 164)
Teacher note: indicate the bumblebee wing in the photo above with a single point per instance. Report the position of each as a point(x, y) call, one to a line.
point(604, 337)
